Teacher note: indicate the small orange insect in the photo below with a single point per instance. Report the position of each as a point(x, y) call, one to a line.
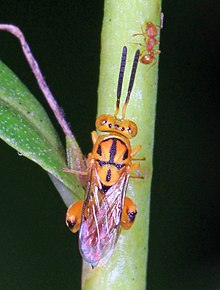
point(106, 208)
point(148, 55)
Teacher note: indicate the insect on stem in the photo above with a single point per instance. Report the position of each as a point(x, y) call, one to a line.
point(106, 208)
point(39, 77)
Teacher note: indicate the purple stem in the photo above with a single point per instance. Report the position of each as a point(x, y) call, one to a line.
point(40, 79)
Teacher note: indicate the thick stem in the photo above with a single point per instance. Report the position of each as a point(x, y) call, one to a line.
point(128, 265)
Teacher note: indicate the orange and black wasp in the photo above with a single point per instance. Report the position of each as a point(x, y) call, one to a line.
point(106, 208)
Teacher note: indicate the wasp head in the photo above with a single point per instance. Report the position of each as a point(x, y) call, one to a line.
point(109, 123)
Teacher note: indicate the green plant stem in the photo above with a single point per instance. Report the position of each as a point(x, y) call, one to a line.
point(128, 266)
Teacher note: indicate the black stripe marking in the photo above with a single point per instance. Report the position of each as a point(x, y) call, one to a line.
point(117, 165)
point(99, 151)
point(131, 216)
point(109, 175)
point(112, 150)
point(105, 188)
point(125, 156)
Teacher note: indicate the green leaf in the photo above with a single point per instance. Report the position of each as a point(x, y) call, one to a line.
point(25, 126)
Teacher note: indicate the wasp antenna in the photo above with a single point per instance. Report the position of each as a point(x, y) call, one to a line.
point(120, 78)
point(131, 82)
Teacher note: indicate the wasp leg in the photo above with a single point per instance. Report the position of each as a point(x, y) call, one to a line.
point(137, 176)
point(128, 213)
point(73, 216)
point(135, 150)
point(74, 171)
point(133, 167)
point(94, 137)
point(141, 159)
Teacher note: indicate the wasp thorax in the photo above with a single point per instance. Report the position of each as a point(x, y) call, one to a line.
point(108, 123)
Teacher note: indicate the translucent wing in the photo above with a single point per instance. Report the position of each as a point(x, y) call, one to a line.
point(101, 217)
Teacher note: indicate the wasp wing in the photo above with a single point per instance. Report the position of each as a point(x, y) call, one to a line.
point(101, 217)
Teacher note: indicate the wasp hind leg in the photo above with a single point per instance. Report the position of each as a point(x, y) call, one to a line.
point(135, 166)
point(73, 216)
point(135, 150)
point(129, 213)
point(94, 137)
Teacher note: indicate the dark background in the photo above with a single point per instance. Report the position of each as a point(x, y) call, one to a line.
point(36, 249)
